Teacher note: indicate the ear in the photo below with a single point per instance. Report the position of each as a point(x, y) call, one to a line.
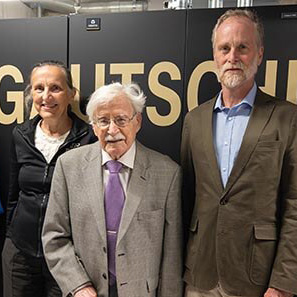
point(70, 95)
point(260, 55)
point(74, 92)
point(95, 129)
point(139, 120)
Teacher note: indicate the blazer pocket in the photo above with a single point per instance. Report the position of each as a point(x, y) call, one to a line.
point(192, 246)
point(152, 284)
point(263, 253)
point(265, 161)
point(150, 227)
point(194, 224)
point(150, 215)
point(268, 145)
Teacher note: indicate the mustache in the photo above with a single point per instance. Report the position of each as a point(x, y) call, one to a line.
point(238, 65)
point(116, 137)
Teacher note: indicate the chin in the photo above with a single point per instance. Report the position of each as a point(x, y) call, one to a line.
point(47, 115)
point(233, 81)
point(115, 153)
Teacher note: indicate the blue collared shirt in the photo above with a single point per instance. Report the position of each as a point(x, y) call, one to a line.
point(229, 125)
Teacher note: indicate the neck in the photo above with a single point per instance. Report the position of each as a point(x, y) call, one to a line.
point(56, 127)
point(231, 97)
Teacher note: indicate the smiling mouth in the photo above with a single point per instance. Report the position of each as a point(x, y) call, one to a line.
point(49, 106)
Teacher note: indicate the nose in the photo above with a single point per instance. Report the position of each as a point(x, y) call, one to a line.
point(113, 129)
point(45, 93)
point(233, 56)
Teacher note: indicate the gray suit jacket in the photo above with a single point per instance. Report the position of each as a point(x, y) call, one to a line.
point(148, 252)
point(244, 235)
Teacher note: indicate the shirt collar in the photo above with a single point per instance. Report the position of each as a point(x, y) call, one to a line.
point(249, 99)
point(127, 159)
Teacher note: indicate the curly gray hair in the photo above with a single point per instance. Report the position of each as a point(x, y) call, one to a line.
point(107, 93)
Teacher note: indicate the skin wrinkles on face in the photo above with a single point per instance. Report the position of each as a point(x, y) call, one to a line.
point(116, 141)
point(50, 92)
point(236, 53)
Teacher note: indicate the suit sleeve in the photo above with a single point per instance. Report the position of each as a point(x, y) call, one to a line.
point(284, 271)
point(57, 238)
point(171, 284)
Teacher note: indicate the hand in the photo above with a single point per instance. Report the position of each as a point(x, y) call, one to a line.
point(271, 292)
point(86, 292)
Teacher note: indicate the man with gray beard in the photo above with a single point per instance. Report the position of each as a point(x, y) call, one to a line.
point(239, 157)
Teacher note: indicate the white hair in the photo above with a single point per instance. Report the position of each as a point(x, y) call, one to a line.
point(107, 93)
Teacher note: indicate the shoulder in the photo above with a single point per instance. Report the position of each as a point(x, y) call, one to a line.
point(27, 128)
point(81, 130)
point(79, 125)
point(77, 122)
point(28, 125)
point(200, 109)
point(76, 156)
point(280, 105)
point(155, 159)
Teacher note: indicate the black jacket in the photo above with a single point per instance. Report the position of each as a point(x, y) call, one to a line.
point(30, 182)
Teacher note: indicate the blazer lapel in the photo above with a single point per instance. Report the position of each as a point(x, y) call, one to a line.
point(261, 113)
point(136, 188)
point(207, 136)
point(94, 186)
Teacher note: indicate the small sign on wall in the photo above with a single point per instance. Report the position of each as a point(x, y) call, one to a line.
point(93, 24)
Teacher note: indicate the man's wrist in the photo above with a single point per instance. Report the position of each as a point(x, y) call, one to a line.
point(88, 284)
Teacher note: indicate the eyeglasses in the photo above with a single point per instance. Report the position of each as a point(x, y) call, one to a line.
point(121, 121)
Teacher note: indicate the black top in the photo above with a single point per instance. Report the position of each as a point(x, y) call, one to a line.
point(30, 181)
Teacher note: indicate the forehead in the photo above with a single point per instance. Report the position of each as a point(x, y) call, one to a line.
point(236, 29)
point(120, 104)
point(49, 73)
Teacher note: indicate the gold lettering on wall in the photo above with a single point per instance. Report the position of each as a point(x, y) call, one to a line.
point(270, 78)
point(13, 96)
point(126, 70)
point(292, 82)
point(165, 93)
point(99, 75)
point(75, 72)
point(194, 82)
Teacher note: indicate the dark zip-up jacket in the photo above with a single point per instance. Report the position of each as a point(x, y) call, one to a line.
point(30, 181)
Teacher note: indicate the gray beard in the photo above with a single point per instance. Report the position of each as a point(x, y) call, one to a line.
point(231, 80)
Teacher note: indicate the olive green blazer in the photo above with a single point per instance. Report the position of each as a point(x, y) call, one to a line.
point(244, 235)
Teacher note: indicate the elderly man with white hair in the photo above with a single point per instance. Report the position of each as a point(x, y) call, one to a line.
point(113, 224)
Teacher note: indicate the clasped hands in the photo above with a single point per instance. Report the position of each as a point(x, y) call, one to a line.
point(271, 292)
point(86, 292)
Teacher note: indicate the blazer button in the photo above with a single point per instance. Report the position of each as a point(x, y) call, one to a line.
point(104, 249)
point(104, 275)
point(223, 202)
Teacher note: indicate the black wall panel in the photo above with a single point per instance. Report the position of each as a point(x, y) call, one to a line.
point(155, 42)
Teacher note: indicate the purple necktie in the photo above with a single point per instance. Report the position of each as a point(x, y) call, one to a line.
point(114, 202)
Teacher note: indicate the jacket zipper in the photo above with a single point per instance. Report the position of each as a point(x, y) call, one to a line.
point(44, 198)
point(45, 174)
point(39, 249)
